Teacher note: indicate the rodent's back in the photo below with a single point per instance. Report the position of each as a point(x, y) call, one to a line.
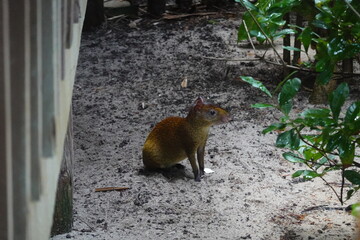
point(163, 146)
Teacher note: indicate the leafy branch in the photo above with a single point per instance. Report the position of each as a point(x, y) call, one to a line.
point(261, 29)
point(339, 41)
point(332, 143)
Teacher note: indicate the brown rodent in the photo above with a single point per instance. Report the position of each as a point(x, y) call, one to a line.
point(176, 138)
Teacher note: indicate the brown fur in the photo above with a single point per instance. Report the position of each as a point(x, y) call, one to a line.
point(176, 138)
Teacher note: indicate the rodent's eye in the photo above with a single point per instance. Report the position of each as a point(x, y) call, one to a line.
point(212, 112)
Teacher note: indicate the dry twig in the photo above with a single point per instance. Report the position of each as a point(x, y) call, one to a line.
point(106, 189)
point(171, 17)
point(249, 37)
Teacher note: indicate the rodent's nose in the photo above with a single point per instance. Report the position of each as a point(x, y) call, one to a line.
point(226, 118)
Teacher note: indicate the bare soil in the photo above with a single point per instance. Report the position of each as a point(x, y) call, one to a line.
point(128, 79)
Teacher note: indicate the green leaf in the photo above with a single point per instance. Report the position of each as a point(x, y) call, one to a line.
point(284, 119)
point(308, 175)
point(337, 99)
point(346, 152)
point(292, 48)
point(352, 118)
point(257, 84)
point(321, 162)
point(298, 121)
point(262, 105)
point(247, 4)
point(349, 194)
point(352, 112)
point(284, 5)
point(338, 48)
point(320, 24)
point(289, 139)
point(295, 26)
point(312, 154)
point(284, 32)
point(321, 2)
point(286, 107)
point(297, 173)
point(352, 176)
point(305, 37)
point(283, 139)
point(326, 16)
point(275, 126)
point(242, 35)
point(264, 5)
point(325, 76)
point(258, 34)
point(329, 169)
point(316, 113)
point(322, 64)
point(355, 208)
point(333, 142)
point(292, 157)
point(288, 91)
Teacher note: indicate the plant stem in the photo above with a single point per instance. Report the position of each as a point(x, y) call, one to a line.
point(352, 8)
point(263, 32)
point(312, 71)
point(342, 185)
point(356, 164)
point(249, 37)
point(327, 183)
point(323, 153)
point(282, 82)
point(261, 58)
point(337, 195)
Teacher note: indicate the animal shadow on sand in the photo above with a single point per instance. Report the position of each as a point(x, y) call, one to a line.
point(173, 173)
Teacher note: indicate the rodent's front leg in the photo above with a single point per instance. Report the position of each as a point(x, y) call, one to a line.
point(194, 167)
point(200, 158)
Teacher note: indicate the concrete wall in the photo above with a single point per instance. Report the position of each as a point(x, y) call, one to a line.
point(39, 45)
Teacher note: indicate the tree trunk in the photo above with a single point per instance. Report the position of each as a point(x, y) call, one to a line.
point(156, 8)
point(94, 15)
point(286, 41)
point(321, 92)
point(348, 67)
point(185, 5)
point(63, 217)
point(297, 43)
point(217, 4)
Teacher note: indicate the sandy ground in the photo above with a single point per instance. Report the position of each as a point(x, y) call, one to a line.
point(128, 79)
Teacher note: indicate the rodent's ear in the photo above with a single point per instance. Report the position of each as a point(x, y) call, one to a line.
point(200, 101)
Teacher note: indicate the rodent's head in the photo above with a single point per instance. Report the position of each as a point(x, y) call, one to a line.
point(208, 114)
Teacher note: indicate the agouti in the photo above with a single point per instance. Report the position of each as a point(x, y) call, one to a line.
point(176, 138)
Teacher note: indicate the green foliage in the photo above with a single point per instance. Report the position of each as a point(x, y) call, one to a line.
point(322, 139)
point(288, 91)
point(355, 210)
point(337, 99)
point(337, 22)
point(257, 84)
point(269, 15)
